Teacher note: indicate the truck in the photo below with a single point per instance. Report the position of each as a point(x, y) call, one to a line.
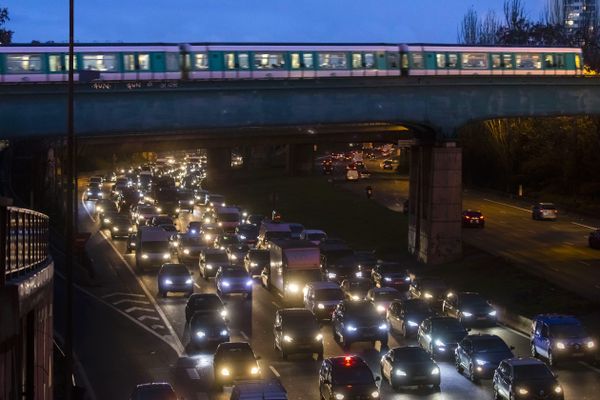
point(152, 247)
point(293, 264)
point(228, 218)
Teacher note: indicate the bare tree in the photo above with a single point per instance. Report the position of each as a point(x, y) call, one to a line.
point(5, 34)
point(468, 31)
point(488, 29)
point(515, 17)
point(554, 13)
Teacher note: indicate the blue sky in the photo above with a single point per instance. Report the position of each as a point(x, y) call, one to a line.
point(248, 20)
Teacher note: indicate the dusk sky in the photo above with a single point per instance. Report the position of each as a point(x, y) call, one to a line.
point(247, 20)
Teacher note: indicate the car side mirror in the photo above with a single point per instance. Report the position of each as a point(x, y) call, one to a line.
point(326, 382)
point(377, 378)
point(258, 358)
point(278, 328)
point(468, 329)
point(512, 347)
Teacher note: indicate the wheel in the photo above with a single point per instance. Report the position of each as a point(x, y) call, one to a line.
point(459, 367)
point(472, 377)
point(496, 394)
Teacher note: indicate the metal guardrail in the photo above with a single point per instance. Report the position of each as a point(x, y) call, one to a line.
point(24, 240)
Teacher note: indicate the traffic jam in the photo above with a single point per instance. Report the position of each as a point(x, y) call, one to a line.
point(348, 323)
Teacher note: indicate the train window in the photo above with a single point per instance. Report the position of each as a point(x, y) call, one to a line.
point(200, 61)
point(496, 61)
point(392, 60)
point(144, 62)
point(229, 61)
point(559, 60)
point(507, 61)
point(100, 62)
point(417, 61)
point(452, 61)
point(440, 60)
point(528, 61)
point(129, 61)
point(549, 61)
point(173, 61)
point(474, 60)
point(55, 63)
point(23, 63)
point(357, 61)
point(404, 61)
point(308, 61)
point(332, 61)
point(243, 61)
point(295, 60)
point(269, 60)
point(369, 59)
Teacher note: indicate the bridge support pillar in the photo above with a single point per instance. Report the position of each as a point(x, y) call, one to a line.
point(300, 159)
point(218, 163)
point(435, 203)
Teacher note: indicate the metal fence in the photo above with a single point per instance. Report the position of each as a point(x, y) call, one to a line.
point(23, 240)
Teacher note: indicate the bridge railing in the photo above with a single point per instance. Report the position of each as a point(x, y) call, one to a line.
point(24, 240)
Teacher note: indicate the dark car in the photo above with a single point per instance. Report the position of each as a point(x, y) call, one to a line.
point(208, 328)
point(186, 200)
point(409, 366)
point(189, 247)
point(296, 330)
point(430, 289)
point(387, 165)
point(225, 240)
point(174, 278)
point(210, 261)
point(153, 391)
point(120, 227)
point(161, 220)
point(594, 239)
point(233, 280)
point(405, 316)
point(333, 250)
point(105, 205)
point(234, 361)
point(296, 230)
point(478, 356)
point(131, 242)
point(525, 378)
point(107, 219)
point(473, 219)
point(356, 288)
point(347, 377)
point(340, 269)
point(365, 262)
point(358, 321)
point(93, 193)
point(391, 274)
point(322, 297)
point(470, 308)
point(382, 297)
point(256, 260)
point(247, 233)
point(542, 211)
point(440, 335)
point(255, 219)
point(203, 303)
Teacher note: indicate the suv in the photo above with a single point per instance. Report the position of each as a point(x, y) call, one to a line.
point(525, 378)
point(557, 337)
point(478, 356)
point(544, 211)
point(296, 330)
point(358, 321)
point(210, 261)
point(234, 361)
point(322, 297)
point(347, 377)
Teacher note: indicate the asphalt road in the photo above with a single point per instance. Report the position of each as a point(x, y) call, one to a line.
point(132, 297)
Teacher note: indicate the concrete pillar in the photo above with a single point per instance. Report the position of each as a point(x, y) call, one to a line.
point(218, 163)
point(435, 203)
point(300, 159)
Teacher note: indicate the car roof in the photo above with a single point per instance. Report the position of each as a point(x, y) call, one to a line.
point(557, 319)
point(323, 285)
point(295, 311)
point(517, 361)
point(213, 251)
point(311, 231)
point(482, 336)
point(233, 345)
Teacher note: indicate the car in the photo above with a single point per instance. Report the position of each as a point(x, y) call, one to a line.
point(105, 205)
point(557, 337)
point(409, 366)
point(525, 378)
point(236, 253)
point(234, 361)
point(296, 330)
point(356, 288)
point(429, 289)
point(144, 213)
point(216, 200)
point(296, 230)
point(382, 297)
point(352, 175)
point(255, 261)
point(315, 236)
point(207, 329)
point(96, 179)
point(185, 201)
point(93, 193)
point(386, 165)
point(194, 228)
point(188, 247)
point(322, 297)
point(107, 219)
point(174, 278)
point(470, 308)
point(153, 391)
point(247, 234)
point(255, 219)
point(358, 321)
point(594, 239)
point(203, 303)
point(391, 274)
point(271, 389)
point(347, 377)
point(223, 240)
point(405, 316)
point(233, 280)
point(473, 219)
point(210, 261)
point(161, 220)
point(440, 336)
point(120, 227)
point(131, 242)
point(339, 269)
point(542, 211)
point(365, 262)
point(478, 356)
point(327, 169)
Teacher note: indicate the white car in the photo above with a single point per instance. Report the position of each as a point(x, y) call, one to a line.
point(352, 175)
point(315, 236)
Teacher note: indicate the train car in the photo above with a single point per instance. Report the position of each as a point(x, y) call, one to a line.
point(112, 62)
point(444, 60)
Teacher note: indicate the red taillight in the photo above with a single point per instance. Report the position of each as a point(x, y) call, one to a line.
point(347, 361)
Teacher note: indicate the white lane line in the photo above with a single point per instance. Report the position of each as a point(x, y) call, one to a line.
point(516, 332)
point(106, 296)
point(569, 243)
point(588, 366)
point(508, 205)
point(178, 345)
point(145, 317)
point(272, 368)
point(244, 336)
point(584, 226)
point(275, 304)
point(585, 263)
point(130, 309)
point(131, 301)
point(157, 326)
point(196, 285)
point(193, 374)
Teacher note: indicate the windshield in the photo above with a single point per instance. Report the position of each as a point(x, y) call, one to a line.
point(260, 256)
point(278, 235)
point(411, 354)
point(316, 236)
point(175, 270)
point(567, 331)
point(191, 240)
point(491, 345)
point(248, 230)
point(329, 294)
point(228, 240)
point(532, 372)
point(211, 302)
point(391, 269)
point(386, 296)
point(360, 285)
point(147, 210)
point(155, 247)
point(217, 258)
point(434, 285)
point(547, 206)
point(234, 273)
point(418, 307)
point(296, 228)
point(305, 321)
point(229, 217)
point(362, 309)
point(155, 393)
point(447, 325)
point(472, 301)
point(237, 354)
point(357, 375)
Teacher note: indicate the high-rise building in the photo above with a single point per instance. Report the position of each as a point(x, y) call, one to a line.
point(580, 14)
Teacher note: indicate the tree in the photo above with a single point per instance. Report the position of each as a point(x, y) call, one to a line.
point(5, 34)
point(469, 27)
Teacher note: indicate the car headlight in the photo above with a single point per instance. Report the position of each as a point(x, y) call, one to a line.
point(339, 396)
point(193, 231)
point(133, 245)
point(387, 279)
point(115, 229)
point(253, 264)
point(560, 345)
point(166, 256)
point(254, 370)
point(411, 323)
point(168, 282)
point(428, 296)
point(243, 237)
point(480, 362)
point(89, 193)
point(107, 220)
point(189, 281)
point(383, 327)
point(467, 314)
point(225, 283)
point(100, 194)
point(186, 251)
point(359, 274)
point(399, 372)
point(209, 266)
point(200, 334)
point(492, 313)
point(224, 332)
point(375, 394)
point(557, 389)
point(288, 339)
point(407, 279)
point(439, 343)
point(130, 229)
point(351, 328)
point(331, 275)
point(145, 256)
point(191, 202)
point(225, 372)
point(177, 209)
point(591, 344)
point(435, 371)
point(319, 337)
point(249, 282)
point(99, 209)
point(223, 313)
point(233, 257)
point(293, 288)
point(207, 237)
point(522, 391)
point(321, 306)
point(159, 209)
point(355, 297)
point(220, 224)
point(380, 308)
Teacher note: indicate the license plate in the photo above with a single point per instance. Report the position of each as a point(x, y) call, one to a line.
point(474, 222)
point(578, 354)
point(419, 378)
point(481, 318)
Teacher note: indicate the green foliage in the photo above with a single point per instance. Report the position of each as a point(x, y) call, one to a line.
point(5, 34)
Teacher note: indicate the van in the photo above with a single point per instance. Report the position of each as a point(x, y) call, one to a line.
point(228, 218)
point(258, 390)
point(272, 230)
point(152, 247)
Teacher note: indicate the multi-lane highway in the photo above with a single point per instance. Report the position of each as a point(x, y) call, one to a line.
point(150, 336)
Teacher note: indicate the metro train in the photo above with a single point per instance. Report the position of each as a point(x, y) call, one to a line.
point(210, 61)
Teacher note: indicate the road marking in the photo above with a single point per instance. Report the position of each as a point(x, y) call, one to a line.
point(192, 373)
point(157, 326)
point(106, 296)
point(596, 370)
point(244, 335)
point(196, 285)
point(275, 304)
point(584, 226)
point(131, 301)
point(145, 317)
point(130, 309)
point(508, 205)
point(569, 243)
point(515, 331)
point(272, 368)
point(585, 263)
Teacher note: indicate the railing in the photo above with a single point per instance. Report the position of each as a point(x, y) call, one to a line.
point(23, 240)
